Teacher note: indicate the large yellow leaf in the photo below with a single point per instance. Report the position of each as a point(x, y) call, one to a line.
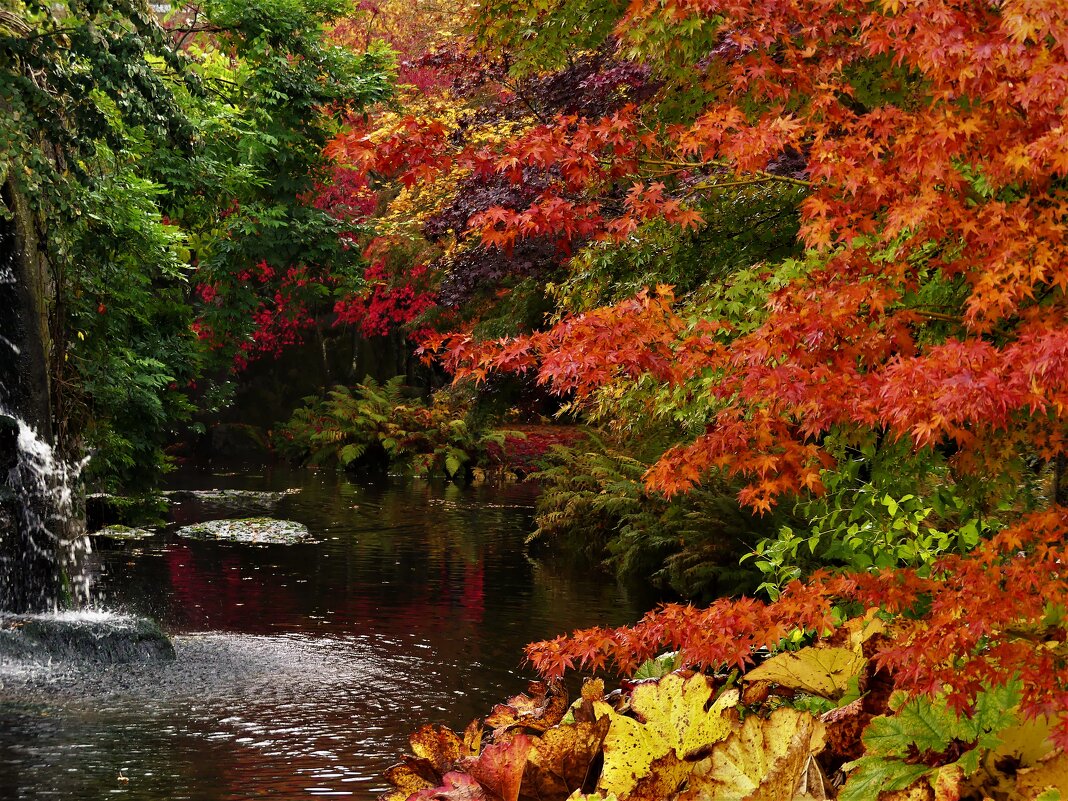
point(629, 750)
point(1028, 742)
point(673, 715)
point(1045, 780)
point(677, 710)
point(763, 760)
point(818, 670)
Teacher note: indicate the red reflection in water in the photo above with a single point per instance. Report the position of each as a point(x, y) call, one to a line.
point(220, 591)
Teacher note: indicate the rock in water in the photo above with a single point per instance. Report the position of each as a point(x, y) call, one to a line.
point(254, 530)
point(82, 637)
point(117, 532)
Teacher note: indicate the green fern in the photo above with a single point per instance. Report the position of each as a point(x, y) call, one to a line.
point(595, 502)
point(379, 423)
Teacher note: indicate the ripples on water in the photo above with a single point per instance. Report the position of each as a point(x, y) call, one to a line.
point(301, 669)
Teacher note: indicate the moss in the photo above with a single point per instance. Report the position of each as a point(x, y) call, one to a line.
point(252, 530)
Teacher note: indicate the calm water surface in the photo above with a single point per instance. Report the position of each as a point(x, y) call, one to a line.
point(301, 668)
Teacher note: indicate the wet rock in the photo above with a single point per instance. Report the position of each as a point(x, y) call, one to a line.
point(81, 637)
point(245, 500)
point(103, 509)
point(253, 530)
point(117, 532)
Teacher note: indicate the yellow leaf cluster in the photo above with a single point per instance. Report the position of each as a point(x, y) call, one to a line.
point(672, 718)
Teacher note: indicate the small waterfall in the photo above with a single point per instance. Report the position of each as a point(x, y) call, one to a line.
point(43, 543)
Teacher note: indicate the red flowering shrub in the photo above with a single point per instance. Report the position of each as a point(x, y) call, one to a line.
point(386, 305)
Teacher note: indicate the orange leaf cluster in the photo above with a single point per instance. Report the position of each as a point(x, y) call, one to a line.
point(988, 612)
point(960, 176)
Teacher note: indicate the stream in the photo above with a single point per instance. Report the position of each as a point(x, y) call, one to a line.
point(301, 668)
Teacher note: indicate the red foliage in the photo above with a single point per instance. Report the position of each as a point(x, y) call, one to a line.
point(279, 318)
point(386, 306)
point(524, 449)
point(347, 197)
point(990, 613)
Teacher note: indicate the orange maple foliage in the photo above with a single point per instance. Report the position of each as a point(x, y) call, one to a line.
point(959, 177)
point(975, 621)
point(952, 172)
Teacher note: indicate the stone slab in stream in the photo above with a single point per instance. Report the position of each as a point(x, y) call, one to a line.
point(117, 532)
point(252, 530)
point(231, 495)
point(81, 637)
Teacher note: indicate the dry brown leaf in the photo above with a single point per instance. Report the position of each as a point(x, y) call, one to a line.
point(844, 726)
point(593, 690)
point(560, 760)
point(406, 780)
point(814, 785)
point(540, 708)
point(472, 739)
point(438, 745)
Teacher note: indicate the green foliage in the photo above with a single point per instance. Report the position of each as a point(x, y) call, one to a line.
point(883, 507)
point(925, 735)
point(86, 91)
point(658, 667)
point(277, 91)
point(596, 502)
point(131, 345)
point(78, 75)
point(742, 229)
point(140, 159)
point(380, 423)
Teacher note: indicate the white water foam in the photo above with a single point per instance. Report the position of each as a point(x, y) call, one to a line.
point(50, 527)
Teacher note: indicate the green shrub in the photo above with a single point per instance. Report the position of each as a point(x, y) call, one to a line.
point(375, 423)
point(595, 501)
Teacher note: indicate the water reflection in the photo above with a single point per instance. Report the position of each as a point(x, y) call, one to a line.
point(301, 668)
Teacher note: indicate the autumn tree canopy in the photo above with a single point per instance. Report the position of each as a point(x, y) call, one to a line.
point(826, 243)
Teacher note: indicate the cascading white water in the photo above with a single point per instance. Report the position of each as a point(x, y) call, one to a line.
point(42, 565)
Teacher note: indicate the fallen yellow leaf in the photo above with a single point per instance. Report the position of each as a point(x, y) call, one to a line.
point(1048, 776)
point(818, 670)
point(763, 760)
point(673, 716)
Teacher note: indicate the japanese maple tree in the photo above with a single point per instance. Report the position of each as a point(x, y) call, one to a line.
point(926, 142)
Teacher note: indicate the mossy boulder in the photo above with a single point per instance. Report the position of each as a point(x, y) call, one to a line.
point(117, 532)
point(251, 530)
point(82, 637)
